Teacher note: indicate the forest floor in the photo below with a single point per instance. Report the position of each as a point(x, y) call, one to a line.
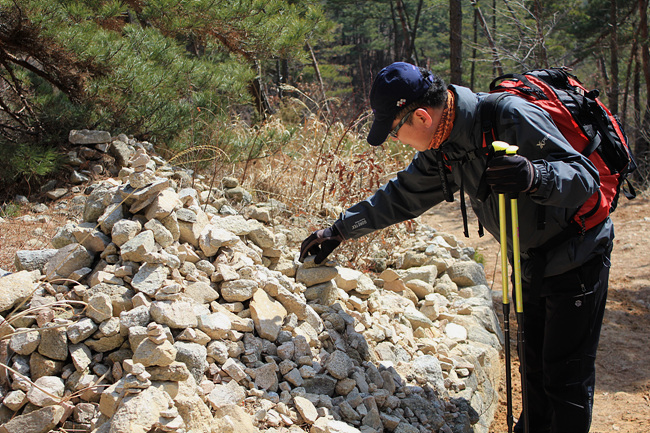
point(622, 398)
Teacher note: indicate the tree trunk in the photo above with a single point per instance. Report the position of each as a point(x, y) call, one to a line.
point(406, 30)
point(396, 34)
point(642, 144)
point(630, 63)
point(475, 41)
point(542, 58)
point(314, 63)
point(495, 53)
point(613, 50)
point(259, 94)
point(412, 53)
point(456, 41)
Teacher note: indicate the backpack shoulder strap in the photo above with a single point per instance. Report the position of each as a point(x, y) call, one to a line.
point(488, 110)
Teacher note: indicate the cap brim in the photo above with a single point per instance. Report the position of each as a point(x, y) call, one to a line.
point(379, 132)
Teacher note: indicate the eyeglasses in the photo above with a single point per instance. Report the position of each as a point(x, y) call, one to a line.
point(402, 121)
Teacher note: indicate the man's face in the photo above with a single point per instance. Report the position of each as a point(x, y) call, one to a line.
point(417, 128)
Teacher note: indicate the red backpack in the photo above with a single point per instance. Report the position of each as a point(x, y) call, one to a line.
point(585, 123)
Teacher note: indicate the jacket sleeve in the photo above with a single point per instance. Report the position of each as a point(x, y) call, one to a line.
point(568, 178)
point(412, 192)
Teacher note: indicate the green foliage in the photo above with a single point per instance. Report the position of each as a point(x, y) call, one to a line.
point(9, 210)
point(31, 162)
point(479, 258)
point(167, 71)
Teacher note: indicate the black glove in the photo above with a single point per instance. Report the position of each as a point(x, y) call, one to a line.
point(512, 174)
point(321, 243)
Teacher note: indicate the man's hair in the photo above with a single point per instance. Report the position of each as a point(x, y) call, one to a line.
point(434, 97)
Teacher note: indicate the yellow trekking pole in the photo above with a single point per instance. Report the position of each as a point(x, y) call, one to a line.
point(502, 147)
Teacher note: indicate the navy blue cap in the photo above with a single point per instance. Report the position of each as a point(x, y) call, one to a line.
point(396, 87)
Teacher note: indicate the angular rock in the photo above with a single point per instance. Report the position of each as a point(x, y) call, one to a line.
point(120, 296)
point(429, 369)
point(175, 372)
point(175, 314)
point(339, 364)
point(16, 287)
point(46, 391)
point(312, 276)
point(235, 224)
point(124, 230)
point(165, 202)
point(194, 356)
point(33, 260)
point(24, 341)
point(67, 260)
point(160, 233)
point(138, 316)
point(14, 400)
point(81, 356)
point(135, 249)
point(113, 213)
point(191, 223)
point(201, 292)
point(224, 395)
point(39, 421)
point(149, 353)
point(140, 412)
point(149, 278)
point(88, 136)
point(216, 325)
point(212, 238)
point(54, 342)
point(232, 419)
point(261, 236)
point(100, 307)
point(306, 409)
point(268, 315)
point(238, 290)
point(121, 152)
point(467, 273)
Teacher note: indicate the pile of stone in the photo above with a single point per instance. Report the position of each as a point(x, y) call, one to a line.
point(166, 309)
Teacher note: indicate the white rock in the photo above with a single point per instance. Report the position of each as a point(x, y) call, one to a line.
point(24, 341)
point(149, 278)
point(99, 307)
point(268, 315)
point(175, 314)
point(46, 391)
point(306, 409)
point(456, 332)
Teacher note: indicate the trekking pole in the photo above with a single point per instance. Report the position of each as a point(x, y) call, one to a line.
point(500, 147)
point(519, 302)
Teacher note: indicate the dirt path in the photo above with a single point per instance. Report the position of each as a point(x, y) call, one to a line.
point(622, 400)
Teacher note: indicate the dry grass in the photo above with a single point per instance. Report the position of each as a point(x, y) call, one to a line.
point(316, 168)
point(27, 231)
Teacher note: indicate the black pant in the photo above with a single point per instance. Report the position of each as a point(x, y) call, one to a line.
point(562, 321)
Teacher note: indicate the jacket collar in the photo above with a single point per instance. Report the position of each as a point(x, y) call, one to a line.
point(461, 140)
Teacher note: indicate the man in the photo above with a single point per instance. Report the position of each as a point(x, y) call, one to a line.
point(565, 273)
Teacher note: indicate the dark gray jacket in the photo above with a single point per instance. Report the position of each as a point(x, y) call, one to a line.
point(569, 179)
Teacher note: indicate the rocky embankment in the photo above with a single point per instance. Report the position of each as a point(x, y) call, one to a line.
point(173, 307)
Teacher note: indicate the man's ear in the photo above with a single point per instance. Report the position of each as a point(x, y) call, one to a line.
point(423, 117)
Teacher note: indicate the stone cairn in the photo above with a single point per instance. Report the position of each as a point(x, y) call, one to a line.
point(166, 310)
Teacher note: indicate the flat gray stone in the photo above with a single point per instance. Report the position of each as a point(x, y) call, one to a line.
point(33, 260)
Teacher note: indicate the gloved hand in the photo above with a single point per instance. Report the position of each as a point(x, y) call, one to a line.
point(321, 243)
point(512, 174)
